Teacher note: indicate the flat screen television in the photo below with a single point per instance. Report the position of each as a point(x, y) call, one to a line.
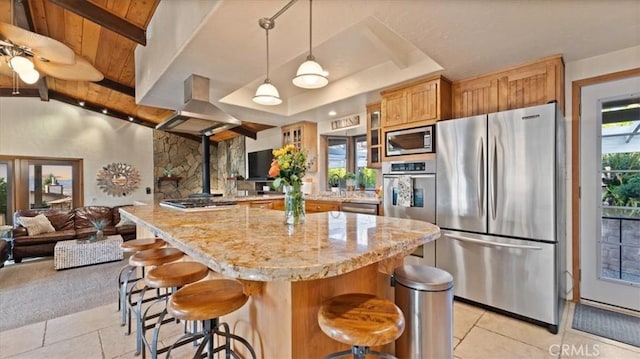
point(259, 164)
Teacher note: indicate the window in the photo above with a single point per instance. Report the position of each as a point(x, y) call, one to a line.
point(32, 182)
point(348, 155)
point(337, 156)
point(5, 193)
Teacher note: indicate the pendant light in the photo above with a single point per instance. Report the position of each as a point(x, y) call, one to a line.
point(267, 94)
point(310, 74)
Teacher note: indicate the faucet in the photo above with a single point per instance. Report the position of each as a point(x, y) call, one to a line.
point(343, 192)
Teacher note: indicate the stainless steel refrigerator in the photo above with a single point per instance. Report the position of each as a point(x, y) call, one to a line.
point(500, 203)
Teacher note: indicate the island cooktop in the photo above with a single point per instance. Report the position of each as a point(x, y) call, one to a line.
point(196, 204)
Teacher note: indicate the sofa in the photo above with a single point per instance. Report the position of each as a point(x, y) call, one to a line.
point(67, 224)
point(4, 252)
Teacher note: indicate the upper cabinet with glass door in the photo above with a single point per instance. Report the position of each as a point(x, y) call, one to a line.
point(374, 136)
point(303, 135)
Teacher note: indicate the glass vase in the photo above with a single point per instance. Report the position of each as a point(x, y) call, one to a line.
point(293, 205)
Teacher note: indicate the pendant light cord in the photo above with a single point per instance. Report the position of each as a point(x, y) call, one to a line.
point(267, 30)
point(310, 27)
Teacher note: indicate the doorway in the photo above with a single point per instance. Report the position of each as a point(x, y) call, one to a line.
point(610, 192)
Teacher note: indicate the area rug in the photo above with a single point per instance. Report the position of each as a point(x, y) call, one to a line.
point(605, 323)
point(33, 291)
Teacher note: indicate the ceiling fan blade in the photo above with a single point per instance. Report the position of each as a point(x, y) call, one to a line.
point(40, 46)
point(82, 70)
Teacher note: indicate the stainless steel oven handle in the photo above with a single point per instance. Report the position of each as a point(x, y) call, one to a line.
point(411, 175)
point(492, 244)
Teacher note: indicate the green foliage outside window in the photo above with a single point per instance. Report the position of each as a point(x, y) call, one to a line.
point(621, 189)
point(367, 178)
point(3, 195)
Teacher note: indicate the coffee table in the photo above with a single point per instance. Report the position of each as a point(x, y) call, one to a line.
point(76, 253)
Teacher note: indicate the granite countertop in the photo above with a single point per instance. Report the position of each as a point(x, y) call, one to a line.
point(350, 198)
point(255, 244)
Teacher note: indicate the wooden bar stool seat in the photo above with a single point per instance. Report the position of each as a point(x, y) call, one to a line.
point(128, 275)
point(171, 276)
point(155, 257)
point(206, 301)
point(362, 321)
point(141, 244)
point(148, 258)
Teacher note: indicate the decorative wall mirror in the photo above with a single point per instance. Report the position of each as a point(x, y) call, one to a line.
point(118, 179)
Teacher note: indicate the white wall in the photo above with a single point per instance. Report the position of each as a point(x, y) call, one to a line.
point(30, 127)
point(616, 61)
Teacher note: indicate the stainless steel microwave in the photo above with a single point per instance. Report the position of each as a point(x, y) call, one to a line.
point(410, 141)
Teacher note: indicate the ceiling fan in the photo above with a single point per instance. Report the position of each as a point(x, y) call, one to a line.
point(27, 54)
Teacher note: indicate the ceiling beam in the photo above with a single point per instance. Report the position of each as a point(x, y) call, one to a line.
point(23, 92)
point(245, 132)
point(99, 108)
point(116, 86)
point(105, 19)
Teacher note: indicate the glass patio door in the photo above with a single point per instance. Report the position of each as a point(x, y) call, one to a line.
point(6, 206)
point(610, 193)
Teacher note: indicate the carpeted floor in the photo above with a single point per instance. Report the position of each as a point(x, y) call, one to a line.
point(617, 326)
point(33, 291)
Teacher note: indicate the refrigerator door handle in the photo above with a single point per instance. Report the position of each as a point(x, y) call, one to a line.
point(494, 180)
point(492, 244)
point(481, 177)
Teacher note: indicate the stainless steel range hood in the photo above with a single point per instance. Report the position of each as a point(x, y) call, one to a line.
point(198, 116)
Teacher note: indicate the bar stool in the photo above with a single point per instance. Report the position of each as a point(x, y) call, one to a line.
point(206, 301)
point(362, 321)
point(125, 276)
point(169, 276)
point(148, 258)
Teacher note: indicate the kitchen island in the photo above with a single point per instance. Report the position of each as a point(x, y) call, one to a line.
point(288, 270)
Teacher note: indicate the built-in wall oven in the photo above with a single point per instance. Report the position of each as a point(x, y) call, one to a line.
point(410, 192)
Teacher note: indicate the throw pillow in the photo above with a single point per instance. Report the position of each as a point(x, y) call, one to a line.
point(125, 222)
point(36, 225)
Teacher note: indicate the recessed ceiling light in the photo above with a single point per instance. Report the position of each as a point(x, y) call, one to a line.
point(332, 113)
point(104, 110)
point(81, 103)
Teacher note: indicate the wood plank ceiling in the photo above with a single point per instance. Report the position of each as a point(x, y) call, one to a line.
point(112, 53)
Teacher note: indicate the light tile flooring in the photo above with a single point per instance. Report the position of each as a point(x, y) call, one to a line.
point(478, 333)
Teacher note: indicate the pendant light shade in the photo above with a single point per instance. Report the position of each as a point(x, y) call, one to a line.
point(310, 74)
point(267, 94)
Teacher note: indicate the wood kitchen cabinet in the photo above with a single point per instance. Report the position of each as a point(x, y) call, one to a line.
point(374, 136)
point(530, 84)
point(264, 203)
point(315, 206)
point(419, 103)
point(303, 135)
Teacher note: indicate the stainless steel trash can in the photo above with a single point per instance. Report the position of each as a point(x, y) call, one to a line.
point(425, 296)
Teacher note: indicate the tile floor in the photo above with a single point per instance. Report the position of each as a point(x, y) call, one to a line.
point(478, 333)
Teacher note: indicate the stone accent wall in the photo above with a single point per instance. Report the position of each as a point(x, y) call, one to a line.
point(185, 155)
point(231, 162)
